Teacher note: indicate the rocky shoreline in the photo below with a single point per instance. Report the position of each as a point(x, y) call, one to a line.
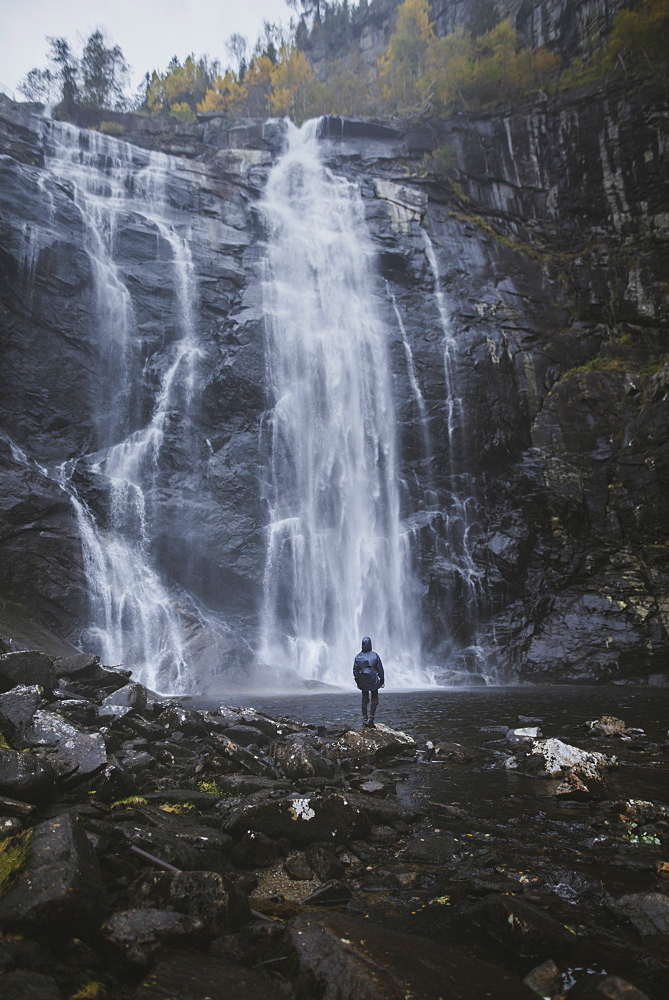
point(149, 850)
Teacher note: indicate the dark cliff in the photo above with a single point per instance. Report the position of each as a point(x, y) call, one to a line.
point(549, 233)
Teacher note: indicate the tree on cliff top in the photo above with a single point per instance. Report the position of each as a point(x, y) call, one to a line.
point(97, 79)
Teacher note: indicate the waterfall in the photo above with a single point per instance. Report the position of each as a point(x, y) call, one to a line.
point(337, 563)
point(134, 617)
point(459, 516)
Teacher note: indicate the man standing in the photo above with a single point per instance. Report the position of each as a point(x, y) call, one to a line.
point(368, 675)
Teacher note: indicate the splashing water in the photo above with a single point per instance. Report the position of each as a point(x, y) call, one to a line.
point(134, 617)
point(337, 565)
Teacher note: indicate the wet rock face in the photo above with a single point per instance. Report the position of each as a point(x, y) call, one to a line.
point(548, 228)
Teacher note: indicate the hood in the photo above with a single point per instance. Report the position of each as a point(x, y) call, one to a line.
point(366, 644)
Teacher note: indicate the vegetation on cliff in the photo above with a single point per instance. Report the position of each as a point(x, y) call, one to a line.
point(478, 65)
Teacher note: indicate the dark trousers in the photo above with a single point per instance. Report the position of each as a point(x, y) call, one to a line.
point(365, 702)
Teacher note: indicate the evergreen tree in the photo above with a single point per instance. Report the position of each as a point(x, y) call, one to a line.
point(104, 73)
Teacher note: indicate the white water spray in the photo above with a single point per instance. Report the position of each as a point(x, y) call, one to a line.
point(459, 513)
point(134, 618)
point(336, 565)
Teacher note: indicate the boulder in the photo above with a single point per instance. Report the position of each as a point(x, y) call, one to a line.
point(299, 760)
point(24, 985)
point(27, 668)
point(246, 736)
point(324, 862)
point(246, 760)
point(60, 889)
point(66, 666)
point(380, 743)
point(256, 849)
point(302, 820)
point(520, 926)
point(607, 725)
point(75, 755)
point(139, 937)
point(18, 705)
point(183, 720)
point(194, 976)
point(131, 695)
point(545, 980)
point(648, 911)
point(342, 956)
point(552, 758)
point(213, 898)
point(333, 893)
point(296, 868)
point(25, 776)
point(610, 988)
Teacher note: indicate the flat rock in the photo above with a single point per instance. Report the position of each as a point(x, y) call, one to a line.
point(211, 897)
point(520, 926)
point(301, 819)
point(28, 668)
point(648, 911)
point(333, 893)
point(342, 956)
point(60, 888)
point(299, 760)
point(24, 776)
point(131, 695)
point(256, 849)
point(195, 976)
point(25, 985)
point(607, 725)
point(19, 704)
point(324, 861)
point(65, 666)
point(76, 754)
point(246, 760)
point(368, 744)
point(138, 937)
point(552, 758)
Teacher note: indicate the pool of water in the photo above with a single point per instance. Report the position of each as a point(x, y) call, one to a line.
point(459, 715)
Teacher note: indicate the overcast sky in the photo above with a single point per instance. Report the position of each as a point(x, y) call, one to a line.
point(149, 32)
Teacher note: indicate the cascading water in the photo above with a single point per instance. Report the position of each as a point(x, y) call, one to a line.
point(337, 565)
point(458, 520)
point(134, 619)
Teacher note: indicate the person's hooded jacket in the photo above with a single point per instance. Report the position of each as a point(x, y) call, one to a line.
point(367, 668)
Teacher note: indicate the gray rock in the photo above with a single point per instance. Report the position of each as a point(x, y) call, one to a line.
point(59, 887)
point(299, 760)
point(301, 819)
point(19, 704)
point(24, 776)
point(25, 985)
point(211, 897)
point(190, 976)
point(27, 668)
point(344, 956)
point(76, 755)
point(131, 695)
point(333, 893)
point(520, 926)
point(256, 849)
point(139, 937)
point(607, 725)
point(324, 862)
point(648, 911)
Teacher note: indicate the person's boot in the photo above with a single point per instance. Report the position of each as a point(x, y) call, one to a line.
point(370, 724)
point(365, 720)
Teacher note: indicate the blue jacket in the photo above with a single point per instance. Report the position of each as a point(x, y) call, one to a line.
point(367, 668)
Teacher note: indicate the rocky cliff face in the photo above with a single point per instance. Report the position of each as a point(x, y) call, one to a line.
point(568, 27)
point(525, 280)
